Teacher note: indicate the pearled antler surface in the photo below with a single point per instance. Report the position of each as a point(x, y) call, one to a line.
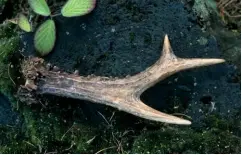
point(123, 94)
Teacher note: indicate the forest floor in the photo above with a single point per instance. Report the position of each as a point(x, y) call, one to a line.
point(119, 38)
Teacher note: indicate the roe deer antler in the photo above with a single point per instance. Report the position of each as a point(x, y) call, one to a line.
point(123, 94)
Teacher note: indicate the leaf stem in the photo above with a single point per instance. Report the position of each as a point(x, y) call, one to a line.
point(55, 15)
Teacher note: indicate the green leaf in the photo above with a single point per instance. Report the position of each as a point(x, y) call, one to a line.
point(45, 36)
point(78, 7)
point(40, 7)
point(23, 23)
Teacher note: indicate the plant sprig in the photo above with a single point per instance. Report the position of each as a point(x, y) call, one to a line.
point(45, 36)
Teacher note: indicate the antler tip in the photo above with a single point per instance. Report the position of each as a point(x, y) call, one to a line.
point(167, 50)
point(217, 61)
point(177, 120)
point(166, 36)
point(206, 62)
point(185, 122)
point(166, 42)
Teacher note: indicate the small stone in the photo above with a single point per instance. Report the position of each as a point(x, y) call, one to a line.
point(76, 72)
point(113, 30)
point(48, 66)
point(55, 69)
point(194, 84)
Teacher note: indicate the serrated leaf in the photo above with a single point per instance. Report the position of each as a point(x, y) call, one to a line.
point(40, 7)
point(78, 7)
point(45, 36)
point(23, 23)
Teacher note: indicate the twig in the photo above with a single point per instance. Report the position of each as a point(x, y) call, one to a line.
point(118, 143)
point(229, 7)
point(127, 131)
point(29, 143)
point(1, 53)
point(17, 105)
point(67, 132)
point(69, 147)
point(232, 16)
point(179, 114)
point(111, 117)
point(104, 118)
point(105, 149)
point(91, 140)
point(9, 75)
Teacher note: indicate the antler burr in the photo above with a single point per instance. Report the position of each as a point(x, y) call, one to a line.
point(123, 94)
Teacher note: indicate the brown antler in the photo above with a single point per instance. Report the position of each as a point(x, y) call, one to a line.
point(123, 94)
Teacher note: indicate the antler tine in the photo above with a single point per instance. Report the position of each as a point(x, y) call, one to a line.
point(144, 111)
point(194, 63)
point(167, 51)
point(168, 55)
point(179, 64)
point(167, 65)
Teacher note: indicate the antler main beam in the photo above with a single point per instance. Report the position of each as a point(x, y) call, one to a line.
point(123, 94)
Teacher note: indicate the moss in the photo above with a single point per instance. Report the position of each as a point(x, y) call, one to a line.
point(218, 134)
point(12, 141)
point(230, 43)
point(7, 47)
point(82, 137)
point(50, 132)
point(113, 140)
point(2, 2)
point(47, 130)
point(9, 43)
point(230, 124)
point(205, 10)
point(18, 147)
point(216, 122)
point(170, 140)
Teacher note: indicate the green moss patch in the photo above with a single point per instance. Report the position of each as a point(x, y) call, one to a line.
point(13, 141)
point(9, 43)
point(186, 141)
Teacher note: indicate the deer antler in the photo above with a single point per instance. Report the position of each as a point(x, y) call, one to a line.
point(123, 94)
